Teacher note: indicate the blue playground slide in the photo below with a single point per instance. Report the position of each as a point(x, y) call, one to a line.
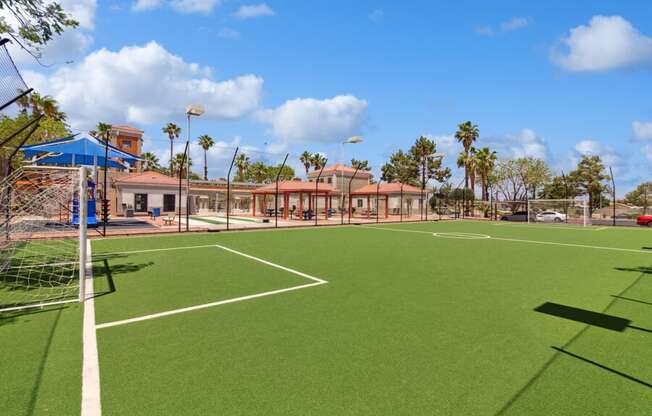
point(91, 221)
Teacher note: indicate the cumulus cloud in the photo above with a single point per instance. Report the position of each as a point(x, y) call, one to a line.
point(647, 151)
point(144, 84)
point(607, 42)
point(525, 143)
point(142, 5)
point(608, 155)
point(515, 23)
point(310, 120)
point(71, 44)
point(376, 15)
point(250, 11)
point(642, 130)
point(228, 33)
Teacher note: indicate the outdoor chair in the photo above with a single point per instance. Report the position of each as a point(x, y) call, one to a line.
point(169, 220)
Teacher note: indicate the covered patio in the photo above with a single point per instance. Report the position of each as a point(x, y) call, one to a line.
point(300, 200)
point(392, 196)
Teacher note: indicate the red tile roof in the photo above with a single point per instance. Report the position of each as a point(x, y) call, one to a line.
point(293, 186)
point(126, 129)
point(149, 178)
point(340, 168)
point(386, 188)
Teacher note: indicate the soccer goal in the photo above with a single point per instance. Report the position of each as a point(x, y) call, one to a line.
point(558, 211)
point(42, 237)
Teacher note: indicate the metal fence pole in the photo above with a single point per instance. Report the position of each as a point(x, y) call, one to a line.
point(350, 181)
point(317, 194)
point(400, 210)
point(278, 175)
point(228, 188)
point(378, 202)
point(183, 161)
point(613, 193)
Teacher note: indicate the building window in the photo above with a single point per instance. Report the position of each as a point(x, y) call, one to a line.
point(126, 144)
point(140, 202)
point(359, 203)
point(169, 202)
point(330, 180)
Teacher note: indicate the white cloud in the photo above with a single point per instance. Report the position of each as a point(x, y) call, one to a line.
point(642, 130)
point(607, 42)
point(254, 10)
point(376, 15)
point(144, 84)
point(647, 151)
point(594, 148)
point(227, 33)
point(65, 47)
point(194, 6)
point(142, 5)
point(514, 23)
point(525, 143)
point(310, 120)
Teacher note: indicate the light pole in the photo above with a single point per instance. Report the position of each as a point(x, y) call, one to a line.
point(191, 110)
point(426, 159)
point(350, 140)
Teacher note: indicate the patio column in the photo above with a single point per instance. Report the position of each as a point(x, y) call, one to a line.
point(386, 206)
point(254, 204)
point(368, 206)
point(301, 205)
point(286, 205)
point(350, 205)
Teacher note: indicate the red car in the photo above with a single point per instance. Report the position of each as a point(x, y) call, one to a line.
point(644, 220)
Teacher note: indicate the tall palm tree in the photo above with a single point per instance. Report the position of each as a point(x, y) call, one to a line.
point(485, 163)
point(206, 142)
point(306, 159)
point(258, 172)
point(173, 131)
point(151, 160)
point(242, 164)
point(103, 131)
point(467, 133)
point(468, 161)
point(317, 161)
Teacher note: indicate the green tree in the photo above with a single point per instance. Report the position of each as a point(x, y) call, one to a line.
point(428, 166)
point(306, 160)
point(560, 187)
point(467, 133)
point(590, 177)
point(180, 165)
point(241, 164)
point(151, 161)
point(318, 161)
point(258, 172)
point(535, 173)
point(401, 167)
point(206, 142)
point(173, 131)
point(360, 164)
point(286, 174)
point(485, 163)
point(641, 196)
point(34, 23)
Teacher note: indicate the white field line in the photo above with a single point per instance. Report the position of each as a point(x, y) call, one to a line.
point(154, 250)
point(90, 403)
point(316, 282)
point(516, 240)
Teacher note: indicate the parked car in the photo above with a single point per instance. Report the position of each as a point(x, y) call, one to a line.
point(550, 216)
point(515, 216)
point(644, 220)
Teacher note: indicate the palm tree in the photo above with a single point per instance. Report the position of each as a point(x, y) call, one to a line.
point(317, 161)
point(179, 164)
point(485, 163)
point(173, 131)
point(151, 160)
point(242, 164)
point(102, 131)
point(467, 133)
point(206, 142)
point(258, 172)
point(306, 159)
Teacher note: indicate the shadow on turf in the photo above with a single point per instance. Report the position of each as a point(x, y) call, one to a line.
point(109, 271)
point(561, 350)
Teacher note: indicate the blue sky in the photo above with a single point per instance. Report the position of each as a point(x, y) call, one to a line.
point(552, 79)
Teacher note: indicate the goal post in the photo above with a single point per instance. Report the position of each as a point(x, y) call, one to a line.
point(558, 211)
point(42, 237)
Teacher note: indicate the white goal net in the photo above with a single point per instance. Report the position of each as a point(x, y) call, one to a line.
point(42, 237)
point(558, 211)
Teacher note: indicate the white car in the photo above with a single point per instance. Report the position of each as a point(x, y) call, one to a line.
point(550, 216)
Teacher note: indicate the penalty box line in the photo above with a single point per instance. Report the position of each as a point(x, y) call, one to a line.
point(517, 240)
point(315, 282)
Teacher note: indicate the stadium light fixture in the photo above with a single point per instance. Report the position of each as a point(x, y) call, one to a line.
point(194, 110)
point(354, 140)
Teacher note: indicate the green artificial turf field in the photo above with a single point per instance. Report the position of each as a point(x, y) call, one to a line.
point(455, 317)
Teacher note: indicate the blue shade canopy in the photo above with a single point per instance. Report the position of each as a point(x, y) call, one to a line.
point(82, 147)
point(67, 159)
